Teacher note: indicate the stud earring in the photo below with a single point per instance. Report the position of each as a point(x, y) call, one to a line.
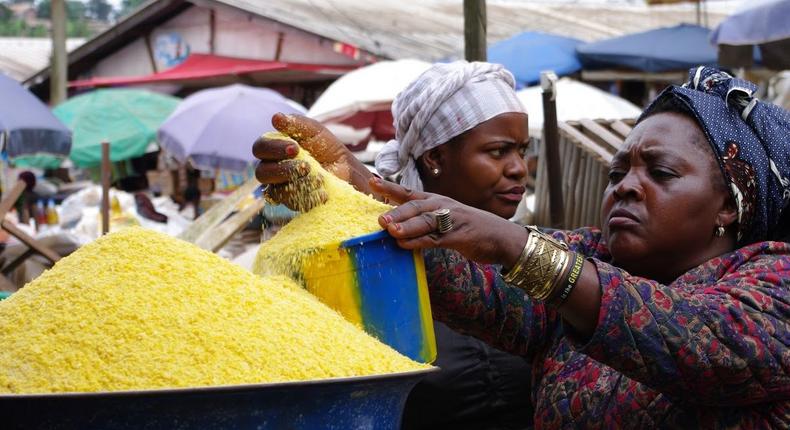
point(719, 231)
point(436, 171)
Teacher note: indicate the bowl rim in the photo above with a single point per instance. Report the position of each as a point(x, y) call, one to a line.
point(210, 389)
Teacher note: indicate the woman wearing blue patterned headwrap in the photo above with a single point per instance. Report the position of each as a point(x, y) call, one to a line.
point(750, 139)
point(677, 313)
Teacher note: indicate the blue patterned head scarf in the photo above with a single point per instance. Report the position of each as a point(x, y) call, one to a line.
point(751, 140)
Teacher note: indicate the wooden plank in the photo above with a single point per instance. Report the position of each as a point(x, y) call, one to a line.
point(601, 153)
point(6, 285)
point(11, 197)
point(216, 238)
point(105, 187)
point(602, 134)
point(617, 75)
point(23, 237)
point(620, 127)
point(217, 213)
point(17, 261)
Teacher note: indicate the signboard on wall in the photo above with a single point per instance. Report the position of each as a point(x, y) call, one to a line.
point(170, 50)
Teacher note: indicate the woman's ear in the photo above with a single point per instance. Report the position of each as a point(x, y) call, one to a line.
point(728, 214)
point(432, 160)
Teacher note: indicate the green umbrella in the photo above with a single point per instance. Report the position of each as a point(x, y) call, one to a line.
point(42, 161)
point(127, 118)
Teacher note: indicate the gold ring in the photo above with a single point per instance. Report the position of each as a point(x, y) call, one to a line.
point(443, 221)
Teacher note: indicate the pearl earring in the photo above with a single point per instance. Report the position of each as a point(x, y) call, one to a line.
point(435, 171)
point(719, 231)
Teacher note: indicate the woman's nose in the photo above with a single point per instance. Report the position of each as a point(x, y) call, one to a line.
point(629, 186)
point(516, 167)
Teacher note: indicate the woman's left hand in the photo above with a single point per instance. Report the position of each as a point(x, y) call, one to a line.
point(478, 235)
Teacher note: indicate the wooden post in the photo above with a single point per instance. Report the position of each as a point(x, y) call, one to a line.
point(58, 68)
point(699, 12)
point(551, 142)
point(279, 49)
point(212, 31)
point(475, 30)
point(105, 187)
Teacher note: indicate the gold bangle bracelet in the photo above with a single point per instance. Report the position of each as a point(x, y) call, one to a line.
point(542, 262)
point(553, 266)
point(518, 266)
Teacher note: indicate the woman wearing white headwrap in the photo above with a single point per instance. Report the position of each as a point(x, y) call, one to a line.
point(445, 101)
point(460, 132)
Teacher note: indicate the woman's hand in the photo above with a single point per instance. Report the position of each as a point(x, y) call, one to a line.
point(287, 178)
point(478, 235)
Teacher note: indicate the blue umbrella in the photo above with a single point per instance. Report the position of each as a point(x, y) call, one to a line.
point(215, 128)
point(30, 133)
point(529, 53)
point(664, 49)
point(766, 26)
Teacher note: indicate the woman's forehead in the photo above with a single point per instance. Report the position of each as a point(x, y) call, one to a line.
point(510, 124)
point(672, 134)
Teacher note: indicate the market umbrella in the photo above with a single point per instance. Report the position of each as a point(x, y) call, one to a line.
point(29, 133)
point(766, 26)
point(127, 118)
point(360, 100)
point(215, 128)
point(529, 53)
point(659, 50)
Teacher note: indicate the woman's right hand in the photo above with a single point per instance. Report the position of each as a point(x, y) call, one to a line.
point(289, 181)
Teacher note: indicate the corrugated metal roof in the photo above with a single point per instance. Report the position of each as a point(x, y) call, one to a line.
point(430, 30)
point(20, 57)
point(433, 29)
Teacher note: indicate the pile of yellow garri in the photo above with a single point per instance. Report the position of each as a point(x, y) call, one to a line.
point(138, 309)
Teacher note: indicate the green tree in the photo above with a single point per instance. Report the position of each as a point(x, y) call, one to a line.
point(99, 10)
point(44, 9)
point(78, 29)
point(75, 10)
point(127, 6)
point(16, 27)
point(5, 13)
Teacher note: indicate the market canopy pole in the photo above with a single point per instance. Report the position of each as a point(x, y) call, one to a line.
point(57, 79)
point(105, 187)
point(551, 144)
point(475, 30)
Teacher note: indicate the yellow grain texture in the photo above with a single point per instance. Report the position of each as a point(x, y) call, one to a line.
point(346, 213)
point(138, 309)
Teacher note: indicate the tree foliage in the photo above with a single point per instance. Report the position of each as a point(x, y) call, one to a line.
point(99, 10)
point(127, 6)
point(77, 16)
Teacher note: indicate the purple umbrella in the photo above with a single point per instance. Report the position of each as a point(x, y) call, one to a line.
point(29, 132)
point(215, 128)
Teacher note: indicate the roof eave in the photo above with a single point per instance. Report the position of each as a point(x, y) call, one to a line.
point(112, 38)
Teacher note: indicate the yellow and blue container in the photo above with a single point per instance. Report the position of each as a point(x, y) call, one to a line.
point(380, 287)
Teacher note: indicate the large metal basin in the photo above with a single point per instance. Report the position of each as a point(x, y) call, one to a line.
point(370, 402)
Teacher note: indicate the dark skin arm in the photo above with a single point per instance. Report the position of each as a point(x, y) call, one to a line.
point(482, 237)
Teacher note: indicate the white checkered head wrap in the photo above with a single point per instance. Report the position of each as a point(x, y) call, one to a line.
point(445, 101)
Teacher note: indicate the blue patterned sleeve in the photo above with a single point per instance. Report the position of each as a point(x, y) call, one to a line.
point(718, 335)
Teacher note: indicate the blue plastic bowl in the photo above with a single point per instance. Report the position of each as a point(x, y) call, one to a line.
point(369, 402)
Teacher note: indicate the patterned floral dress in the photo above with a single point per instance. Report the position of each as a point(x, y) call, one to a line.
point(710, 350)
